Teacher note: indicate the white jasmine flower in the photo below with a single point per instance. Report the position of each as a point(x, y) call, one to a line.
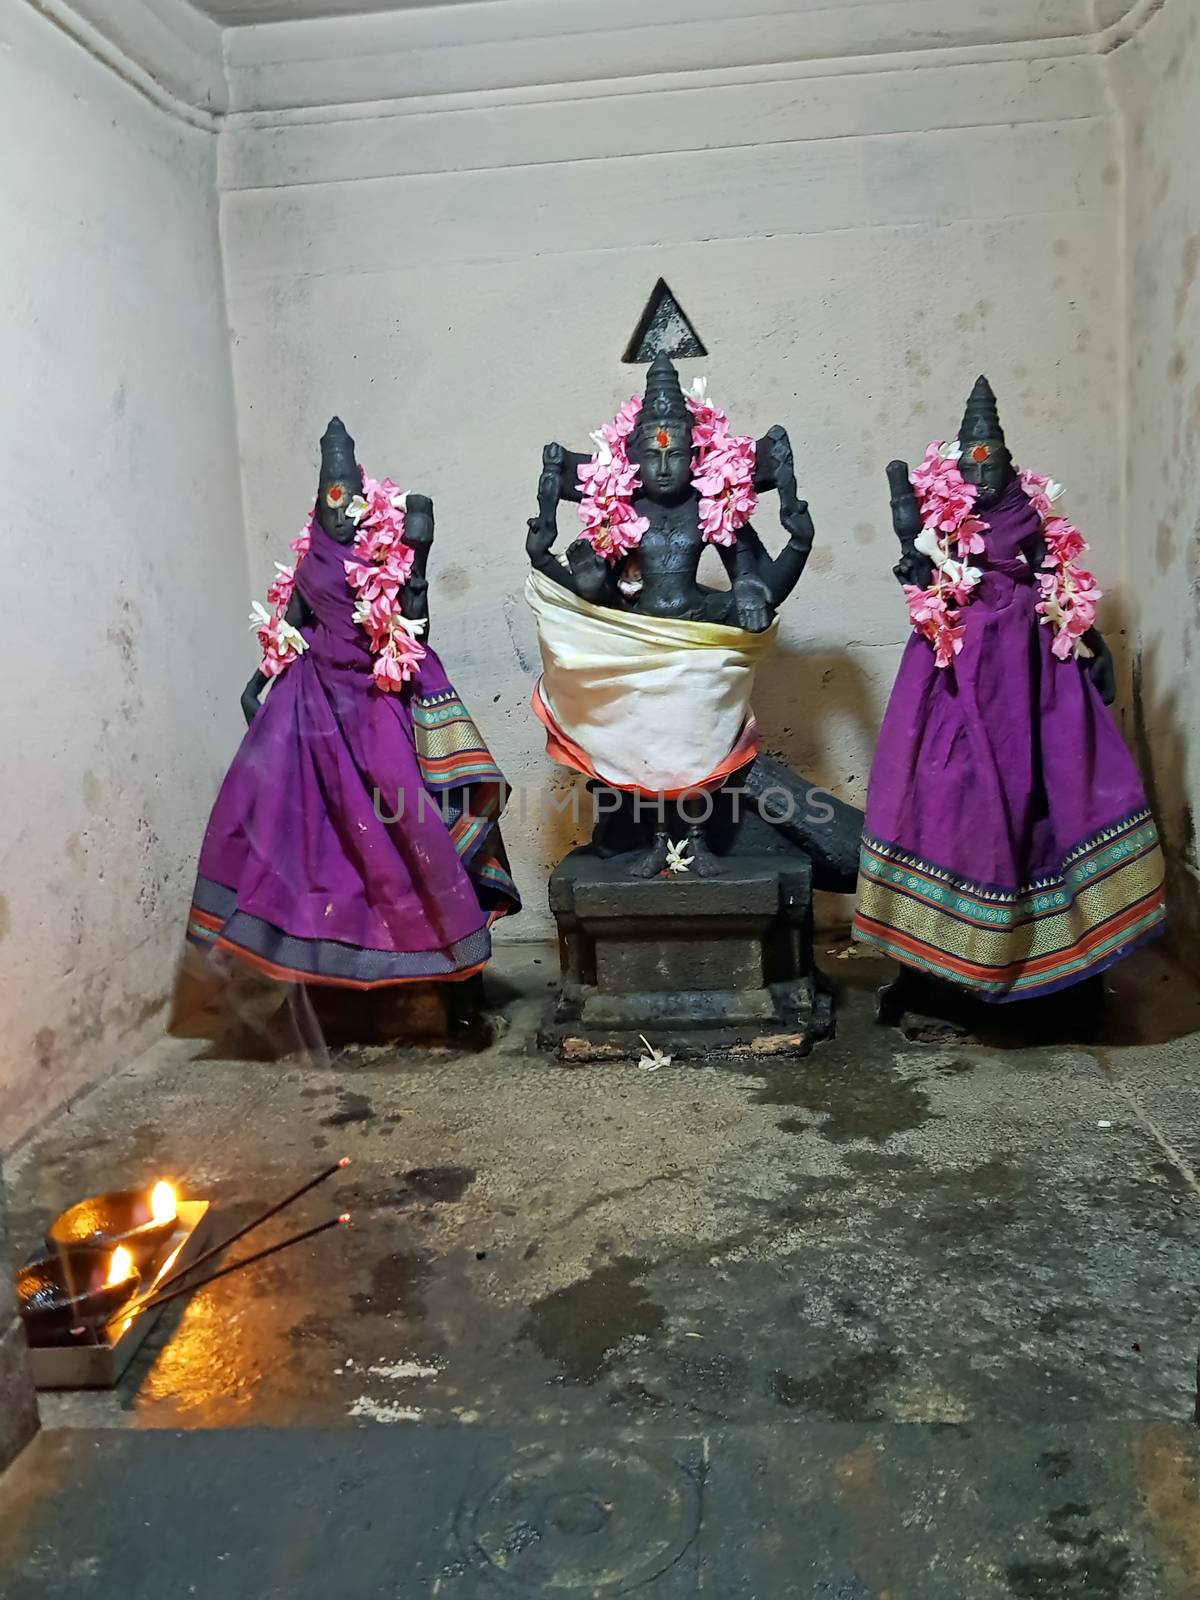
point(928, 543)
point(413, 626)
point(290, 638)
point(604, 453)
point(677, 861)
point(959, 572)
point(654, 1058)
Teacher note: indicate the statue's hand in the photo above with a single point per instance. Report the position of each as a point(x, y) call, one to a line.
point(1101, 667)
point(543, 529)
point(753, 600)
point(418, 521)
point(912, 567)
point(553, 460)
point(251, 704)
point(782, 466)
point(589, 570)
point(798, 525)
point(906, 514)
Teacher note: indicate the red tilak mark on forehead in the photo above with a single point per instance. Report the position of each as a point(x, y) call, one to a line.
point(335, 495)
point(980, 453)
point(663, 438)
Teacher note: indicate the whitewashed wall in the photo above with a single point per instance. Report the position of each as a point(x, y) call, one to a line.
point(1157, 78)
point(443, 225)
point(124, 553)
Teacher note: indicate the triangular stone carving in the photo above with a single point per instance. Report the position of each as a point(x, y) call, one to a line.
point(663, 328)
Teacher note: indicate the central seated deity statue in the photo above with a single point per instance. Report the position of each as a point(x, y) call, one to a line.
point(647, 672)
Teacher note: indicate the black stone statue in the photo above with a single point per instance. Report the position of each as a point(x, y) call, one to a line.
point(668, 558)
point(991, 473)
point(339, 481)
point(704, 944)
point(659, 577)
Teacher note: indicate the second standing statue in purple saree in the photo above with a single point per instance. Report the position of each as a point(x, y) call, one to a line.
point(1008, 848)
point(355, 840)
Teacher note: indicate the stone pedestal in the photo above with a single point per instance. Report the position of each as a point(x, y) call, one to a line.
point(18, 1403)
point(700, 966)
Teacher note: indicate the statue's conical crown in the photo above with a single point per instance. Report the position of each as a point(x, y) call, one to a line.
point(338, 462)
point(664, 400)
point(981, 420)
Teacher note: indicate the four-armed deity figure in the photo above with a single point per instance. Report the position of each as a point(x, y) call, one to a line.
point(648, 672)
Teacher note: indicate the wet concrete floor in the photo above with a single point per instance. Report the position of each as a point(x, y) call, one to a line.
point(898, 1319)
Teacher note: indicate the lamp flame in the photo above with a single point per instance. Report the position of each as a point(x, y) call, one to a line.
point(120, 1267)
point(162, 1203)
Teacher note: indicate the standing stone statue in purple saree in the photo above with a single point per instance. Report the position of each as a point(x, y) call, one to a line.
point(355, 839)
point(1008, 848)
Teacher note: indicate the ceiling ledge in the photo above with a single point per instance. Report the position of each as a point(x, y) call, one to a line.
point(512, 50)
point(1119, 21)
point(163, 49)
point(506, 46)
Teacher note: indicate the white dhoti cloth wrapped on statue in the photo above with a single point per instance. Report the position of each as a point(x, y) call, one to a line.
point(644, 703)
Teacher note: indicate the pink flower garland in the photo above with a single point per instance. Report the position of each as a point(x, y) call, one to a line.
point(280, 643)
point(722, 475)
point(1070, 594)
point(377, 577)
point(951, 532)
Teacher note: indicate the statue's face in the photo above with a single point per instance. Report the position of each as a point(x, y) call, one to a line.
point(987, 464)
point(333, 499)
point(664, 455)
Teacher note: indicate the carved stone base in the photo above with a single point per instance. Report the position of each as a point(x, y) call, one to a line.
point(702, 967)
point(18, 1403)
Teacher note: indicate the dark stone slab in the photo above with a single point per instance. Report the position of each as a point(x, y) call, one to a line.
point(696, 964)
point(18, 1403)
point(820, 1512)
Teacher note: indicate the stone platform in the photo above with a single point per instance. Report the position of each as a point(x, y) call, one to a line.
point(912, 1319)
point(820, 1511)
point(696, 965)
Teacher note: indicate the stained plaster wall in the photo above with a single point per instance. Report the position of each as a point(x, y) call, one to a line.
point(444, 223)
point(1157, 80)
point(125, 564)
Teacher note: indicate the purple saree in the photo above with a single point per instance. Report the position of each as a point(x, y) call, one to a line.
point(355, 839)
point(1008, 847)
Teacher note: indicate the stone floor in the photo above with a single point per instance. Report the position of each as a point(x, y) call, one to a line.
point(898, 1319)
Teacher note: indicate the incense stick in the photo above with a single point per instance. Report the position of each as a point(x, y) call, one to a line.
point(157, 1300)
point(249, 1227)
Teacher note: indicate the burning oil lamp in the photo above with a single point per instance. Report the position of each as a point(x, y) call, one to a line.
point(138, 1220)
point(113, 1261)
point(73, 1286)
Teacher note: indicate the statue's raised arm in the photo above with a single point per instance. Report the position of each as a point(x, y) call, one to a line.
point(912, 567)
point(761, 583)
point(585, 572)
